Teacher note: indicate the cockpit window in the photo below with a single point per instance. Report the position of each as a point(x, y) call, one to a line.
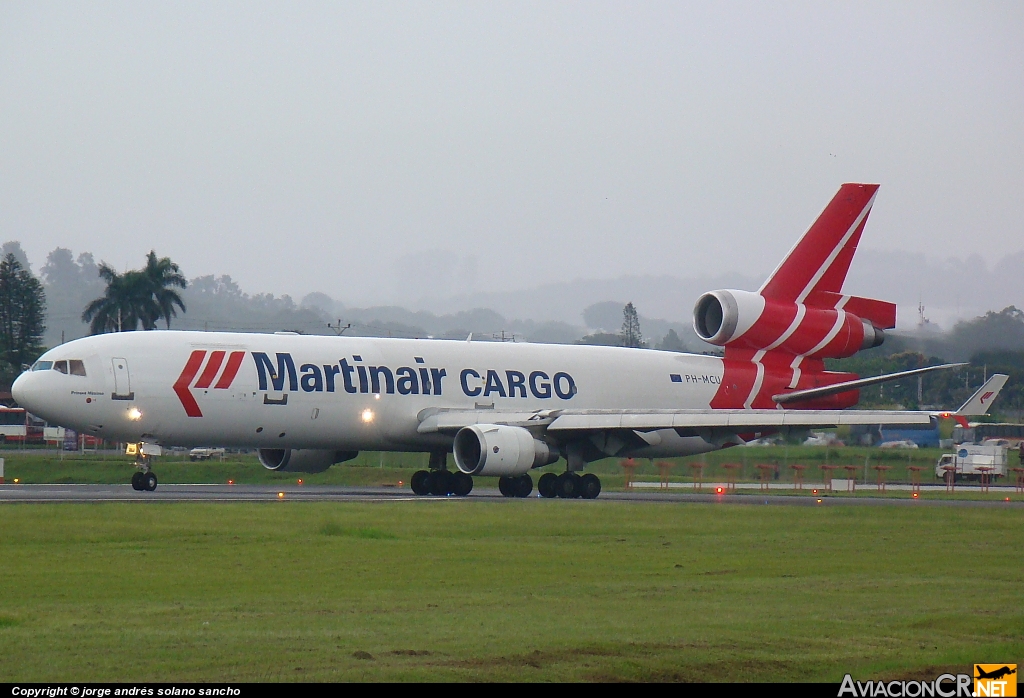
point(77, 367)
point(61, 366)
point(43, 366)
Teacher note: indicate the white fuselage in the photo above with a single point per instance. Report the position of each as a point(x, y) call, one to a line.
point(346, 393)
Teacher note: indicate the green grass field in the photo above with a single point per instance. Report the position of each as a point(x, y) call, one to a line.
point(504, 590)
point(389, 469)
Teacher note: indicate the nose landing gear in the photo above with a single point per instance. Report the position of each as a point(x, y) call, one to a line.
point(143, 479)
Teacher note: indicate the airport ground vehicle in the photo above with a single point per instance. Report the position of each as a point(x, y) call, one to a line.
point(308, 402)
point(205, 453)
point(969, 462)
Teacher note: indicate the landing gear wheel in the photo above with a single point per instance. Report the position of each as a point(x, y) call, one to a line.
point(440, 483)
point(137, 481)
point(565, 486)
point(503, 486)
point(419, 482)
point(546, 485)
point(462, 484)
point(523, 486)
point(590, 486)
point(149, 482)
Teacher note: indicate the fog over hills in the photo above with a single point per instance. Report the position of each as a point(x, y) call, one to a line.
point(950, 290)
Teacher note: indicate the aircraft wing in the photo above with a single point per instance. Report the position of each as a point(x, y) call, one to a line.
point(693, 421)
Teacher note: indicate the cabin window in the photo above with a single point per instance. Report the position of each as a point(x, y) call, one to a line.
point(61, 366)
point(77, 367)
point(43, 366)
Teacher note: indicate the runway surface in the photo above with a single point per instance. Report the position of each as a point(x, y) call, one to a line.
point(10, 493)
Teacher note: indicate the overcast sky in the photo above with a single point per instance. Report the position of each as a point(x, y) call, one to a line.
point(371, 150)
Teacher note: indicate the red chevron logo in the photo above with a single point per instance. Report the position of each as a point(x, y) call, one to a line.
point(206, 379)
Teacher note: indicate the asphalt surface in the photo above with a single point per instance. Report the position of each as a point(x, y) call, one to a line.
point(11, 493)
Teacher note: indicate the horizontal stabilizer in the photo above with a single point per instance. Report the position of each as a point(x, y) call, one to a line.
point(881, 314)
point(979, 403)
point(836, 388)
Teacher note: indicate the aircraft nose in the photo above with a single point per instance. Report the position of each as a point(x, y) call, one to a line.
point(22, 391)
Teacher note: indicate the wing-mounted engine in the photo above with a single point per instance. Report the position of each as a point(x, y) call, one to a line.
point(491, 449)
point(305, 460)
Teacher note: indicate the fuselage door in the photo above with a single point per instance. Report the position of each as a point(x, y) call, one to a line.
point(122, 380)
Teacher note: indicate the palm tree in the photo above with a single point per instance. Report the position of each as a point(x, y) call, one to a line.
point(136, 297)
point(163, 274)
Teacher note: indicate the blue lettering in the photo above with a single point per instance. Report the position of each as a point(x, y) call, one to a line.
point(389, 380)
point(516, 381)
point(494, 384)
point(436, 374)
point(425, 381)
point(407, 383)
point(346, 373)
point(570, 389)
point(466, 373)
point(364, 385)
point(312, 380)
point(541, 390)
point(284, 363)
point(330, 371)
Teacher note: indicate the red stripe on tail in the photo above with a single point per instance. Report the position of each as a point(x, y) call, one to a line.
point(821, 259)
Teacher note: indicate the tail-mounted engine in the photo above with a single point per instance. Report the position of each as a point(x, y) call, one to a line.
point(826, 326)
point(306, 460)
point(489, 449)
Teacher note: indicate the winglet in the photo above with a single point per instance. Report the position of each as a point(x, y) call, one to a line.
point(983, 398)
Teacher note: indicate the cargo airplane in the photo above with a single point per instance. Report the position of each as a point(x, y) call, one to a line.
point(307, 402)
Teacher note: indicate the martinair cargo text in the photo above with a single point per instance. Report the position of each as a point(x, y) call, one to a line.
point(307, 402)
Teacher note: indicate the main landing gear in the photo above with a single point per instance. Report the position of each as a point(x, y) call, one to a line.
point(439, 481)
point(518, 486)
point(569, 486)
point(143, 479)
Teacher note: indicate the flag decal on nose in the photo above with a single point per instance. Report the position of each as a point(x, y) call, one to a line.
point(206, 379)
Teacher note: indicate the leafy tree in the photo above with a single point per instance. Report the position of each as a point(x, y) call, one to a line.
point(671, 342)
point(137, 297)
point(631, 334)
point(22, 313)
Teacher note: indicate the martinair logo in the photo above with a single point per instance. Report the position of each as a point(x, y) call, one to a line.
point(987, 396)
point(212, 371)
point(995, 680)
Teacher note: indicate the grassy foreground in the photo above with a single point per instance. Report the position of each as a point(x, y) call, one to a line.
point(504, 590)
point(370, 468)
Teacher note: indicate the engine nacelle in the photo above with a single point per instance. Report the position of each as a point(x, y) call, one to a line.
point(749, 321)
point(306, 460)
point(490, 449)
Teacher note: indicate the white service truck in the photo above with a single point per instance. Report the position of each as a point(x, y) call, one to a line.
point(205, 453)
point(969, 460)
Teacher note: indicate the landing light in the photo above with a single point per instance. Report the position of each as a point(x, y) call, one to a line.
point(280, 495)
point(134, 414)
point(17, 480)
point(367, 415)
